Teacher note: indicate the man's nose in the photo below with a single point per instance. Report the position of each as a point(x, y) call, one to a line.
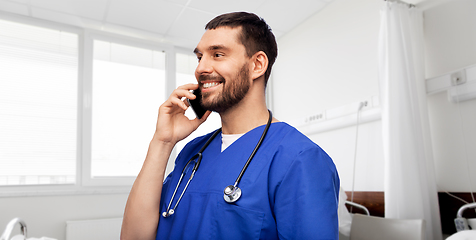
point(204, 66)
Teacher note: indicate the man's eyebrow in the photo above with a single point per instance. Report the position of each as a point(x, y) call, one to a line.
point(213, 47)
point(217, 47)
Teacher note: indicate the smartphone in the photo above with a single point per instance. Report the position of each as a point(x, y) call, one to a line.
point(196, 105)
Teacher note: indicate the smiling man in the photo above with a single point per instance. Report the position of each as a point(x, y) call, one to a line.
point(256, 177)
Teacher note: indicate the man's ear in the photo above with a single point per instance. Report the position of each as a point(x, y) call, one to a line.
point(259, 64)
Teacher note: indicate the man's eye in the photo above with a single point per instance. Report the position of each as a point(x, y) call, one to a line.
point(218, 55)
point(199, 58)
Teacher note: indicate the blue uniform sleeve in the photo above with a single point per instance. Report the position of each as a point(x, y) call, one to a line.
point(306, 200)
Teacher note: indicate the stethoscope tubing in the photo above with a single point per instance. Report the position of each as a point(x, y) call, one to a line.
point(195, 167)
point(268, 124)
point(169, 211)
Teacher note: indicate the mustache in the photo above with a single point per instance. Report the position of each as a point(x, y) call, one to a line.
point(202, 78)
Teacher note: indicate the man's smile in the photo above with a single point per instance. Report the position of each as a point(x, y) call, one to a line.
point(210, 84)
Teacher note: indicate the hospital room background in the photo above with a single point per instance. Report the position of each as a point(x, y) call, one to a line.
point(325, 82)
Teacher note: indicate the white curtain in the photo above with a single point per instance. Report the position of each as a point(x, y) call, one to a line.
point(410, 186)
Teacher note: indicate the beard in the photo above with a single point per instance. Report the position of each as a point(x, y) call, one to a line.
point(233, 91)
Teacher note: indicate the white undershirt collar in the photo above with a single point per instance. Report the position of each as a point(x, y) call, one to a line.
point(228, 139)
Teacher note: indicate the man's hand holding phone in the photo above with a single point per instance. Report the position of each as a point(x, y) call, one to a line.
point(172, 124)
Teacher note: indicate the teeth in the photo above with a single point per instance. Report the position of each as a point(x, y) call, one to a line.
point(211, 84)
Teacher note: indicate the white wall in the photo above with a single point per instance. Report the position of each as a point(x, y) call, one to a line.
point(450, 39)
point(330, 60)
point(340, 145)
point(47, 216)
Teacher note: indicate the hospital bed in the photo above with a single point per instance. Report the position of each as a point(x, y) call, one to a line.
point(356, 205)
point(372, 228)
point(466, 228)
point(345, 217)
point(23, 236)
point(366, 227)
point(11, 226)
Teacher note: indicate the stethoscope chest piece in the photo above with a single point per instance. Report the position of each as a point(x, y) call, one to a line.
point(232, 194)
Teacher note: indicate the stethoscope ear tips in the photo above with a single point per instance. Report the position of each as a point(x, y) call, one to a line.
point(231, 194)
point(169, 213)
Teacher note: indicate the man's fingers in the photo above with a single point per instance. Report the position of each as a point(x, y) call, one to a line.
point(205, 116)
point(178, 102)
point(189, 86)
point(182, 93)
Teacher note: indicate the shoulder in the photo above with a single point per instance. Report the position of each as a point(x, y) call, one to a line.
point(298, 165)
point(293, 148)
point(290, 135)
point(294, 143)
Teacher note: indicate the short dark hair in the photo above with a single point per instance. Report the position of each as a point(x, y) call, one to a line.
point(256, 35)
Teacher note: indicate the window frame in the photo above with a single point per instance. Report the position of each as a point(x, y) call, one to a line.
point(86, 87)
point(84, 183)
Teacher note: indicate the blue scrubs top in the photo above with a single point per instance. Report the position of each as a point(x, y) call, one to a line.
point(289, 191)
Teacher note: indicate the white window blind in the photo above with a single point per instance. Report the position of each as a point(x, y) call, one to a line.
point(38, 105)
point(128, 88)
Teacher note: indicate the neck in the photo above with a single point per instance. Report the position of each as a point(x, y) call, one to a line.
point(248, 114)
point(241, 120)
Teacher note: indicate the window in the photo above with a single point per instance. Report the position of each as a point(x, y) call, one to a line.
point(43, 113)
point(128, 86)
point(38, 105)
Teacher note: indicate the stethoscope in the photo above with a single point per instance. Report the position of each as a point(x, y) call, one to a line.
point(231, 193)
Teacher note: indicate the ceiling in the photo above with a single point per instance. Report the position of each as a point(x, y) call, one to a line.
point(178, 22)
